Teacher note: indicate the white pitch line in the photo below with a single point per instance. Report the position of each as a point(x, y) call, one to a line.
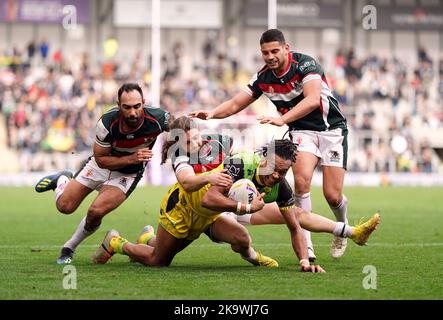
point(374, 244)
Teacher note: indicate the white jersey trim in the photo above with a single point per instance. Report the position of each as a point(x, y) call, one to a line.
point(284, 96)
point(101, 132)
point(102, 144)
point(310, 77)
point(183, 166)
point(326, 106)
point(248, 91)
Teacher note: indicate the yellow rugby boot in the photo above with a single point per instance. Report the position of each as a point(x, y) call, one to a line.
point(265, 261)
point(146, 234)
point(110, 245)
point(361, 232)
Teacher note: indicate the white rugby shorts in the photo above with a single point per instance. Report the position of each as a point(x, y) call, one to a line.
point(331, 147)
point(94, 177)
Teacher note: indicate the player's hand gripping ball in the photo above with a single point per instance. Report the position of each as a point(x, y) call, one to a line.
point(243, 191)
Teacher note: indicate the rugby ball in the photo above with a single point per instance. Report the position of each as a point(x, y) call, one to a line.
point(243, 190)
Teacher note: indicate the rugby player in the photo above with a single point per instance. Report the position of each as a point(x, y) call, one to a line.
point(125, 136)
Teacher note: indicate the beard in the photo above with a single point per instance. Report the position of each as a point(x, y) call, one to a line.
point(132, 122)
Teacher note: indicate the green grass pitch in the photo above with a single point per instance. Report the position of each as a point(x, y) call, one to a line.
point(406, 250)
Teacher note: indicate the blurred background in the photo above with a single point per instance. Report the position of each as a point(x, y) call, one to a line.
point(62, 61)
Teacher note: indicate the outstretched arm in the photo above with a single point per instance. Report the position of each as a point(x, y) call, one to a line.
point(310, 102)
point(232, 106)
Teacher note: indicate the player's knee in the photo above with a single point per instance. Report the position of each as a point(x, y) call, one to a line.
point(302, 185)
point(65, 206)
point(299, 212)
point(158, 262)
point(333, 198)
point(242, 239)
point(96, 212)
point(92, 223)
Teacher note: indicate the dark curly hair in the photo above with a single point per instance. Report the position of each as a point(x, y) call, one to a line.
point(284, 148)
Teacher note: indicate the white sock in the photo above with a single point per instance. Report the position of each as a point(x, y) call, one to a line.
point(304, 201)
point(342, 230)
point(308, 238)
point(243, 219)
point(79, 235)
point(62, 182)
point(341, 210)
point(252, 256)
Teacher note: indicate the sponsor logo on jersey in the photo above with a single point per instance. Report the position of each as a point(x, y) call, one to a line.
point(306, 65)
point(167, 116)
point(297, 86)
point(233, 171)
point(130, 136)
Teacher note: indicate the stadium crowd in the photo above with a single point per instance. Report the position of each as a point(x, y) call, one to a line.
point(50, 104)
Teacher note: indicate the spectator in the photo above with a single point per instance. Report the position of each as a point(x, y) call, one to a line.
point(44, 49)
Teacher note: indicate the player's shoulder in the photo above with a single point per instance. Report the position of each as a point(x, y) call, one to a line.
point(305, 63)
point(157, 115)
point(154, 112)
point(177, 159)
point(263, 71)
point(110, 116)
point(242, 164)
point(247, 158)
point(299, 57)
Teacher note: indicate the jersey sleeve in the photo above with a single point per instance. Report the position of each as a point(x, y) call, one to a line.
point(285, 198)
point(181, 163)
point(309, 69)
point(252, 88)
point(102, 136)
